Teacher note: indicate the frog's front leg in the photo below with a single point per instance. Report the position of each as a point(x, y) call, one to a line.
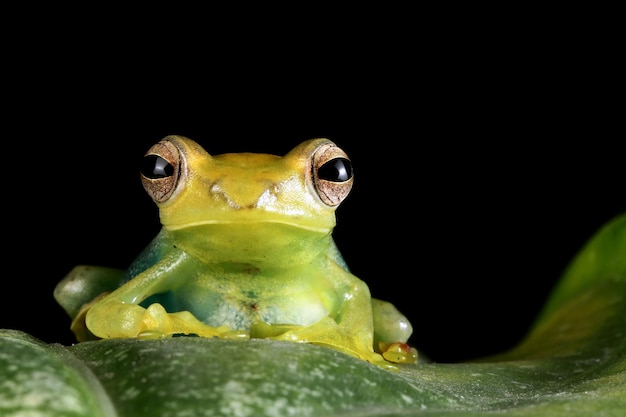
point(349, 329)
point(119, 314)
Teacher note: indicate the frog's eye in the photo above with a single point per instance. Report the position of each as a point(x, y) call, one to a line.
point(160, 170)
point(332, 174)
point(155, 166)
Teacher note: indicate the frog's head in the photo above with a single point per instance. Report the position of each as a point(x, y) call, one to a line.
point(246, 196)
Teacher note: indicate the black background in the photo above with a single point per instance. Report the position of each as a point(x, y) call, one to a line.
point(483, 161)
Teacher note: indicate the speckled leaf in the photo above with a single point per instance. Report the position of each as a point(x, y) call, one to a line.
point(37, 379)
point(573, 363)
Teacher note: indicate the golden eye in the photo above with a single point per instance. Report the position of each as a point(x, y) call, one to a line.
point(161, 170)
point(332, 174)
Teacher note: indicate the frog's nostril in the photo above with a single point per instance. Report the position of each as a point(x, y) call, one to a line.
point(239, 198)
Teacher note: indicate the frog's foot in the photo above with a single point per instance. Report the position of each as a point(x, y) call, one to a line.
point(324, 333)
point(159, 323)
point(79, 325)
point(110, 318)
point(397, 352)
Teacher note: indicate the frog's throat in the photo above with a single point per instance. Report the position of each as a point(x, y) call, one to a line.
point(180, 226)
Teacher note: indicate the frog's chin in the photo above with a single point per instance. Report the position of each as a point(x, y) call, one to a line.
point(258, 243)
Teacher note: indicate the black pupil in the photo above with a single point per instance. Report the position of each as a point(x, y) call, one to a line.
point(156, 167)
point(337, 170)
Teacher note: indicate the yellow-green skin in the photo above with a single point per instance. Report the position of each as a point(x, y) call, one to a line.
point(246, 251)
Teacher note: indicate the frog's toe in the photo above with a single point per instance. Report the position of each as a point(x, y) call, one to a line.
point(152, 334)
point(398, 352)
point(263, 330)
point(234, 334)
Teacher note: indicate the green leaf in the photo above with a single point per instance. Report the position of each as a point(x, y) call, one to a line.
point(46, 380)
point(572, 363)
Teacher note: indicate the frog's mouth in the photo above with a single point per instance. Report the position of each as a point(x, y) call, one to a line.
point(240, 223)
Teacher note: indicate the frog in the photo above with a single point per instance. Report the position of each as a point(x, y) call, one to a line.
point(245, 251)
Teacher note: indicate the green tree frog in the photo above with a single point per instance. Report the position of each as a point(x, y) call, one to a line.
point(245, 251)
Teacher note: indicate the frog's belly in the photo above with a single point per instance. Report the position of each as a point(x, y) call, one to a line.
point(240, 311)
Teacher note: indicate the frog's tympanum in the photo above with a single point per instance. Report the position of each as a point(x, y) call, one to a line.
point(245, 251)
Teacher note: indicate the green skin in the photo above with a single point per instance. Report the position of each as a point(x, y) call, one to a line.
point(245, 251)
